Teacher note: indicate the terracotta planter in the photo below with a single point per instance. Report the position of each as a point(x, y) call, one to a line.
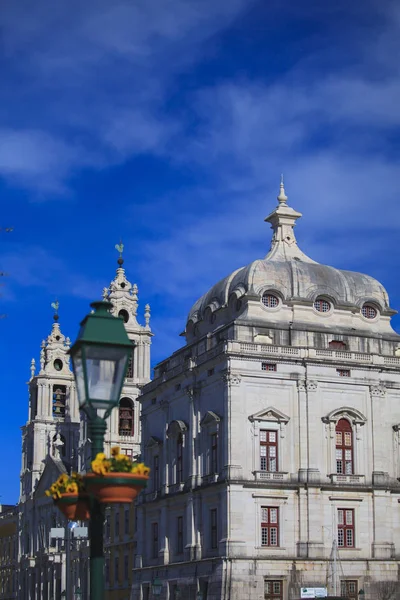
point(113, 488)
point(74, 507)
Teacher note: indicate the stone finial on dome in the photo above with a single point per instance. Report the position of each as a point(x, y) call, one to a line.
point(282, 198)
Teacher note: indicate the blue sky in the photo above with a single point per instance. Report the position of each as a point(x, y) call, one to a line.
point(167, 124)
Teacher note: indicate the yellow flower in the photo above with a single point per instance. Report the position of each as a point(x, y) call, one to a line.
point(140, 469)
point(48, 493)
point(100, 456)
point(115, 451)
point(72, 488)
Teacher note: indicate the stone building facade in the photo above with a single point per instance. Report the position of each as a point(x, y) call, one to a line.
point(8, 551)
point(273, 437)
point(54, 441)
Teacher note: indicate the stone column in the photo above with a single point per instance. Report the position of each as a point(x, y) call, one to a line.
point(232, 426)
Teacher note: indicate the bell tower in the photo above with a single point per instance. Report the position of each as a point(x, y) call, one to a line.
point(124, 423)
point(52, 428)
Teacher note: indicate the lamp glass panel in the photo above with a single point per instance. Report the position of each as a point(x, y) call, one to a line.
point(79, 378)
point(105, 368)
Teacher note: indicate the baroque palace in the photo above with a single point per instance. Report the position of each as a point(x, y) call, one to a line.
point(272, 436)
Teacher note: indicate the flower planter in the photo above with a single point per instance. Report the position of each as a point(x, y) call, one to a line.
point(113, 488)
point(74, 507)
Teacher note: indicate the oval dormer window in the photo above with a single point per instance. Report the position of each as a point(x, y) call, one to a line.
point(270, 300)
point(124, 314)
point(368, 311)
point(321, 305)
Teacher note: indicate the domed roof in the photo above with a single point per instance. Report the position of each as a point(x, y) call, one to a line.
point(291, 273)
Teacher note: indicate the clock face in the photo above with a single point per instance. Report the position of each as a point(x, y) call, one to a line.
point(58, 364)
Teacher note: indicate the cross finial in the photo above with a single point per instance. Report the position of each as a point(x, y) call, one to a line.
point(120, 248)
point(282, 198)
point(56, 306)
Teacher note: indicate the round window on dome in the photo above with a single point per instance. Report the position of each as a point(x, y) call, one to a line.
point(368, 311)
point(270, 300)
point(321, 305)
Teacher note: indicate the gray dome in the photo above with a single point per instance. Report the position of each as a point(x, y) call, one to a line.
point(295, 276)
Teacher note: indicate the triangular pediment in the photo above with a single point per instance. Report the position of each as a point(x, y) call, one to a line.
point(210, 418)
point(153, 442)
point(52, 470)
point(176, 427)
point(270, 414)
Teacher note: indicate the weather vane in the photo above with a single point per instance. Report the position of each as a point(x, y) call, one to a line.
point(120, 248)
point(56, 306)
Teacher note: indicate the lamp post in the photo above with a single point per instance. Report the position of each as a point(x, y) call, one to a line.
point(156, 587)
point(100, 359)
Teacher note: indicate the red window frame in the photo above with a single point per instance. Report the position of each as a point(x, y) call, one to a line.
point(349, 588)
point(214, 453)
point(270, 526)
point(179, 459)
point(179, 535)
point(154, 540)
point(344, 448)
point(269, 450)
point(273, 589)
point(321, 305)
point(213, 529)
point(346, 537)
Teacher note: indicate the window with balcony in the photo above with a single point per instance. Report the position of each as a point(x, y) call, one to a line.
point(269, 526)
point(179, 535)
point(126, 417)
point(268, 450)
point(345, 533)
point(344, 447)
point(154, 540)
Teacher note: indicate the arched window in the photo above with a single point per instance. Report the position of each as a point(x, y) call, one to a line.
point(344, 447)
point(270, 300)
point(337, 345)
point(126, 417)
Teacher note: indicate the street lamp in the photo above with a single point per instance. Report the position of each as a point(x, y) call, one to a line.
point(100, 359)
point(156, 587)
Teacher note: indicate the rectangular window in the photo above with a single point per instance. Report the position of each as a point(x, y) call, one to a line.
point(268, 450)
point(343, 372)
point(179, 535)
point(107, 570)
point(156, 472)
point(213, 528)
point(344, 448)
point(154, 540)
point(269, 526)
point(127, 452)
point(345, 527)
point(273, 590)
point(116, 523)
point(210, 372)
point(126, 567)
point(179, 459)
point(349, 588)
point(214, 454)
point(126, 521)
point(116, 563)
point(268, 366)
